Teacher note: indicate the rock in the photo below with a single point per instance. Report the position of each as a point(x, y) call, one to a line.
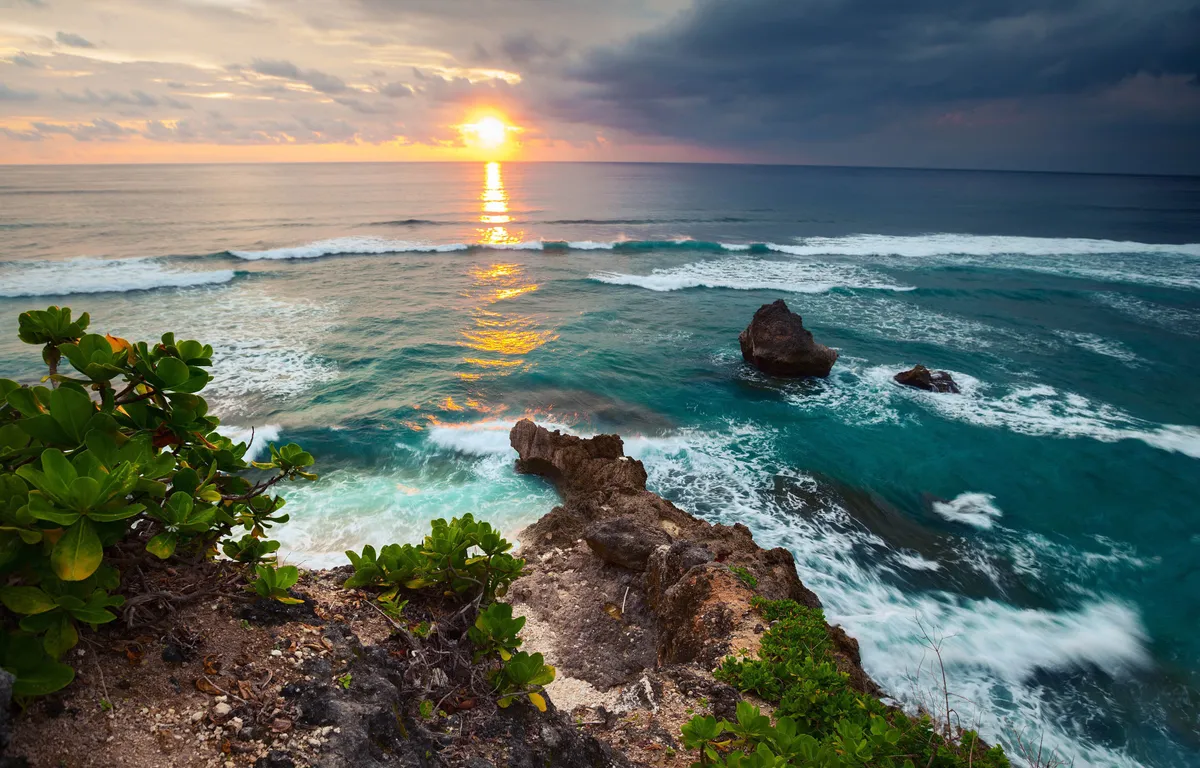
point(668, 564)
point(174, 654)
point(625, 542)
point(574, 463)
point(6, 683)
point(275, 759)
point(776, 342)
point(270, 613)
point(222, 710)
point(921, 377)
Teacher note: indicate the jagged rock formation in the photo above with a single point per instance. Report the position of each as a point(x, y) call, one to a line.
point(630, 596)
point(921, 377)
point(776, 342)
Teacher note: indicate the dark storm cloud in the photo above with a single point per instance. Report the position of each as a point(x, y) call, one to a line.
point(776, 70)
point(73, 41)
point(319, 81)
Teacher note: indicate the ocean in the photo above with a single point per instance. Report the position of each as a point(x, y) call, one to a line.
point(396, 319)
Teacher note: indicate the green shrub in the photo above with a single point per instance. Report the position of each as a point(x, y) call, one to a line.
point(495, 632)
point(822, 721)
point(273, 583)
point(463, 556)
point(119, 449)
point(469, 561)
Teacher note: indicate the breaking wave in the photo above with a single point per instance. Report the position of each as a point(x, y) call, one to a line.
point(752, 274)
point(975, 509)
point(87, 275)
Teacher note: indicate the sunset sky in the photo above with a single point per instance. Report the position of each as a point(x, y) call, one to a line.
point(1092, 85)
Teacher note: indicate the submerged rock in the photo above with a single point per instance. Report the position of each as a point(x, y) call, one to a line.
point(776, 342)
point(921, 377)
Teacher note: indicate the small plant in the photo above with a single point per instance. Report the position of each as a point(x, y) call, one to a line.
point(463, 556)
point(106, 705)
point(744, 576)
point(249, 549)
point(426, 709)
point(495, 632)
point(393, 608)
point(273, 583)
point(345, 681)
point(423, 630)
point(524, 675)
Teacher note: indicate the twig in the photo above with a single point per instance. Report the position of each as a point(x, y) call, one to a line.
point(623, 599)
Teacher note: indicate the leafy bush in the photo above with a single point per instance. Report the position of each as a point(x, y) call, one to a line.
point(462, 556)
point(822, 721)
point(118, 453)
point(469, 561)
point(495, 632)
point(744, 575)
point(524, 675)
point(273, 583)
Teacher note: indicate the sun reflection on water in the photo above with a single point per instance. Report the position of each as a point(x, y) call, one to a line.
point(499, 337)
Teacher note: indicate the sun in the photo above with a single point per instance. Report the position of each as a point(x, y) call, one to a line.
point(486, 133)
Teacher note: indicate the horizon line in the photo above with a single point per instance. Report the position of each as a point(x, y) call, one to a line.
point(608, 162)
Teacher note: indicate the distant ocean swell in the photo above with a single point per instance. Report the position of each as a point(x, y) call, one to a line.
point(854, 245)
point(84, 275)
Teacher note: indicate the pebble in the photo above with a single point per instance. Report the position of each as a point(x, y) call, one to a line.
point(235, 723)
point(222, 709)
point(197, 716)
point(276, 652)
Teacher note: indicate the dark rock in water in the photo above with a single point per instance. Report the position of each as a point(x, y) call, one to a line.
point(921, 377)
point(625, 542)
point(776, 342)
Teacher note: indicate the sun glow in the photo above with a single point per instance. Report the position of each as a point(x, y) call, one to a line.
point(489, 133)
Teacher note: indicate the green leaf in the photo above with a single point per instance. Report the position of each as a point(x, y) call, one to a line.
point(46, 677)
point(24, 401)
point(72, 410)
point(41, 508)
point(26, 600)
point(60, 637)
point(112, 515)
point(78, 553)
point(163, 545)
point(172, 372)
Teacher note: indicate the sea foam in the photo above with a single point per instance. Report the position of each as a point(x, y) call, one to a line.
point(754, 274)
point(88, 275)
point(975, 509)
point(949, 244)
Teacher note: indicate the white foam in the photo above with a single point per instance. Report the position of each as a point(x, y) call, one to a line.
point(754, 274)
point(257, 354)
point(914, 561)
point(949, 244)
point(1099, 345)
point(1174, 319)
point(86, 275)
point(257, 437)
point(1042, 410)
point(870, 396)
point(488, 438)
point(974, 509)
point(348, 245)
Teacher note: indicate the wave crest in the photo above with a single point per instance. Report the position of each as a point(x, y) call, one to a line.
point(87, 275)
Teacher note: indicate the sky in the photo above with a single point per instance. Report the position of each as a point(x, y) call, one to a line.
point(1077, 85)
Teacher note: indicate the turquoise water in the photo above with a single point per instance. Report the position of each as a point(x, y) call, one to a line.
point(397, 320)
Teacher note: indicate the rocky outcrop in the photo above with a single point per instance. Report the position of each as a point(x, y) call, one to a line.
point(776, 342)
point(921, 377)
point(619, 571)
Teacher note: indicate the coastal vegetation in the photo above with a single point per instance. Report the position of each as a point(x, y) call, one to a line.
point(820, 719)
point(115, 461)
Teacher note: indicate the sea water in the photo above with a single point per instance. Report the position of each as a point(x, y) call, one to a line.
point(1043, 526)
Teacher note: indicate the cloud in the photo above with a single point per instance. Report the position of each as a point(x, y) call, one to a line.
point(10, 94)
point(73, 40)
point(774, 72)
point(23, 59)
point(134, 98)
point(319, 81)
point(396, 90)
point(99, 128)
